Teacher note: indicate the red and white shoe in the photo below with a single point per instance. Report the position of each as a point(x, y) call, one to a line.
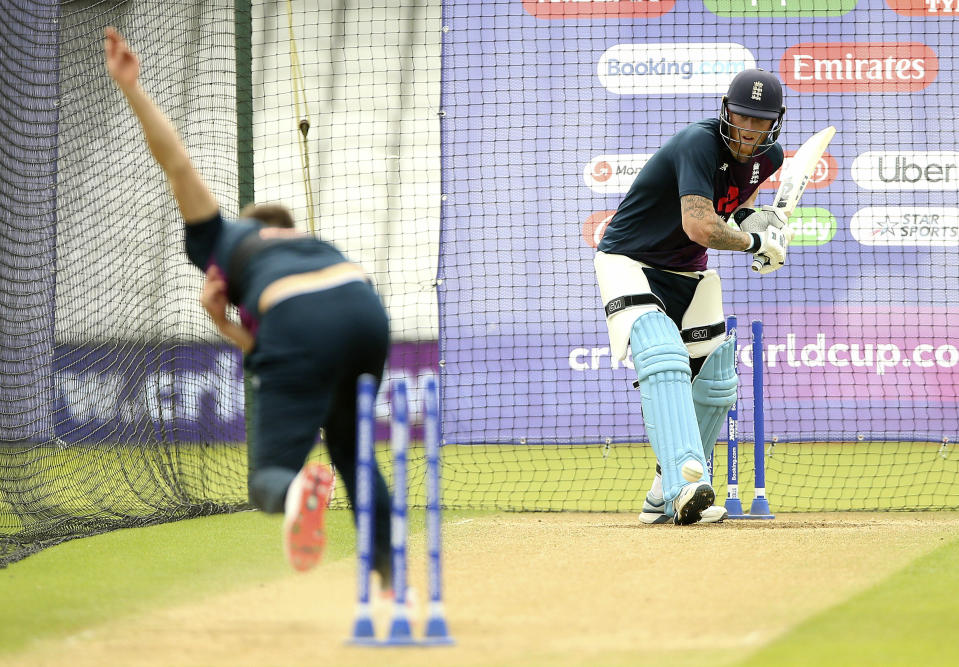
point(306, 502)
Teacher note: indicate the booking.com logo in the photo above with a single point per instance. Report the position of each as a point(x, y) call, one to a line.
point(671, 69)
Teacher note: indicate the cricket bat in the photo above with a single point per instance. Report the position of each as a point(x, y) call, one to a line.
point(796, 175)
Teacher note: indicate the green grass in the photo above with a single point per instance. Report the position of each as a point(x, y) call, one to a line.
point(115, 480)
point(119, 482)
point(800, 477)
point(905, 620)
point(86, 582)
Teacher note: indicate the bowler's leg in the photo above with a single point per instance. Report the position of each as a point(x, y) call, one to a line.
point(286, 424)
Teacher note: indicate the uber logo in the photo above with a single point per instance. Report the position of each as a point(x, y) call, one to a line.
point(907, 170)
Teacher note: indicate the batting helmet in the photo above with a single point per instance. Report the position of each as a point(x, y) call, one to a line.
point(758, 94)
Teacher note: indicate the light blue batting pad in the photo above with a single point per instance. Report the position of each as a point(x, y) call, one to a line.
point(714, 391)
point(662, 366)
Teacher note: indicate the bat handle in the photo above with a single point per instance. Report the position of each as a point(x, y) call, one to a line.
point(759, 262)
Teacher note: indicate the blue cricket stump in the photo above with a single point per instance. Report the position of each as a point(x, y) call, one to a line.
point(436, 630)
point(760, 505)
point(400, 631)
point(733, 504)
point(363, 631)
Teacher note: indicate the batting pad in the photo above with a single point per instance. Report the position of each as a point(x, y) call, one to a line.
point(618, 276)
point(705, 309)
point(714, 391)
point(662, 366)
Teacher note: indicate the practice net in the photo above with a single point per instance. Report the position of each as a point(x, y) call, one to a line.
point(121, 405)
point(551, 109)
point(519, 125)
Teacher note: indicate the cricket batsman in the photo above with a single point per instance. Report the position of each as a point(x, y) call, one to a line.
point(664, 306)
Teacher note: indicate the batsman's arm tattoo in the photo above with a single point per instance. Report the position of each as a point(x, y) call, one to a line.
point(703, 226)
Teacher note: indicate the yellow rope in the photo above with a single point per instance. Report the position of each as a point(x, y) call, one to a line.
point(303, 120)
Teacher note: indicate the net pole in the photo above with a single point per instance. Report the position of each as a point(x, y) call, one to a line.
point(246, 193)
point(243, 38)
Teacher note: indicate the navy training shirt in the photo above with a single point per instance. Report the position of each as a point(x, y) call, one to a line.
point(648, 225)
point(214, 241)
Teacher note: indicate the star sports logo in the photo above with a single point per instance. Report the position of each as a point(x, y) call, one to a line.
point(884, 227)
point(607, 9)
point(906, 226)
point(859, 67)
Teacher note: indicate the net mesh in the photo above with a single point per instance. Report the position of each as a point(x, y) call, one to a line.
point(121, 406)
point(551, 110)
point(520, 125)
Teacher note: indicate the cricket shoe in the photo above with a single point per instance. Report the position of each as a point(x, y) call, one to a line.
point(303, 524)
point(692, 500)
point(714, 514)
point(654, 512)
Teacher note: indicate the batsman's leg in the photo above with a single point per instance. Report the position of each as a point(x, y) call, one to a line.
point(714, 392)
point(654, 505)
point(662, 367)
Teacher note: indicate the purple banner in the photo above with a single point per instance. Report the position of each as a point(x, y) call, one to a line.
point(186, 393)
point(550, 109)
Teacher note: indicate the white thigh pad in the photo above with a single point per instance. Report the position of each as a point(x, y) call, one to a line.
point(619, 277)
point(704, 324)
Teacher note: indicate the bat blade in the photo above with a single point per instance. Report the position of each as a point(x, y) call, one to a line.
point(796, 176)
point(800, 170)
